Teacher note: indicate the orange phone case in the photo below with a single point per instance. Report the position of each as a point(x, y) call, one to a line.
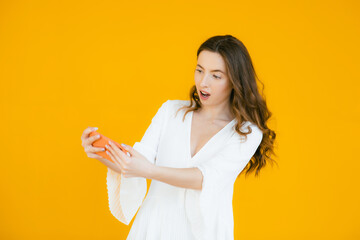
point(101, 142)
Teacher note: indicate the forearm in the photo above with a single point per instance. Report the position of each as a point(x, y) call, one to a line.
point(179, 177)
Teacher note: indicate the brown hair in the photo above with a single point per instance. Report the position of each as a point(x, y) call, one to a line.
point(246, 101)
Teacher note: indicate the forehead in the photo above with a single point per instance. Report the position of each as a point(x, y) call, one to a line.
point(211, 61)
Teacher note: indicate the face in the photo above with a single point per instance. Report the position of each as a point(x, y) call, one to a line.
point(211, 76)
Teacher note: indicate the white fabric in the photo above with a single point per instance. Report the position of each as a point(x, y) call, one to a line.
point(170, 212)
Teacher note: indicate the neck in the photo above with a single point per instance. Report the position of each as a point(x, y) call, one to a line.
point(221, 111)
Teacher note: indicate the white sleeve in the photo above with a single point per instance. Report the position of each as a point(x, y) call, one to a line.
point(148, 145)
point(127, 194)
point(219, 172)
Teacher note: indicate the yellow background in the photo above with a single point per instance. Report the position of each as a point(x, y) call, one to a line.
point(67, 65)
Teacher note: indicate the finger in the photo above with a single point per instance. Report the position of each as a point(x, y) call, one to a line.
point(119, 152)
point(113, 153)
point(98, 157)
point(86, 132)
point(92, 149)
point(129, 149)
point(96, 149)
point(116, 148)
point(115, 159)
point(94, 155)
point(105, 161)
point(90, 140)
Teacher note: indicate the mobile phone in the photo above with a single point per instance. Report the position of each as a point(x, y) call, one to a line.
point(102, 141)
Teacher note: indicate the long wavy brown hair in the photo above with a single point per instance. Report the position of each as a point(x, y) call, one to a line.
point(246, 101)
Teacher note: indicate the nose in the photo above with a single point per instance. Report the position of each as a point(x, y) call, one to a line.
point(204, 82)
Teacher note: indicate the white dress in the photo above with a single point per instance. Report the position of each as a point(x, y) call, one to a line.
point(169, 212)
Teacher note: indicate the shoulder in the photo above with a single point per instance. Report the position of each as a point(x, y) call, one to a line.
point(177, 103)
point(169, 108)
point(173, 105)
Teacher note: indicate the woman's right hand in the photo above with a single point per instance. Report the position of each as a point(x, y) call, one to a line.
point(91, 151)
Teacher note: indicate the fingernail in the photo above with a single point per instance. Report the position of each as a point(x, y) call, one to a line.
point(95, 128)
point(123, 145)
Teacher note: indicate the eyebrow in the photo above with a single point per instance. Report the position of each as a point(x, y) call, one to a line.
point(216, 70)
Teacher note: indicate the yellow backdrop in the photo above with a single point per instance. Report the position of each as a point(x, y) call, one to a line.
point(67, 65)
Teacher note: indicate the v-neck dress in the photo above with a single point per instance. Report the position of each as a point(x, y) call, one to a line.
point(174, 213)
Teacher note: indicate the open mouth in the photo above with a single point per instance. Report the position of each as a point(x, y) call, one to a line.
point(204, 95)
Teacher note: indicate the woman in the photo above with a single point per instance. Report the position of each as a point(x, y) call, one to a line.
point(194, 157)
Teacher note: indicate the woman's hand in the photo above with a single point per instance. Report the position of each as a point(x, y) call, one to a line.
point(91, 151)
point(135, 165)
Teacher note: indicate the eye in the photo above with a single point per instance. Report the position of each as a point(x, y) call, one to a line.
point(217, 77)
point(198, 70)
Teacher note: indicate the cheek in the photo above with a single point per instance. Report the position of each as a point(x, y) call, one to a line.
point(197, 78)
point(197, 81)
point(222, 87)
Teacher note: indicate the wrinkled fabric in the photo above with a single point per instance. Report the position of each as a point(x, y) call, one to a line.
point(170, 212)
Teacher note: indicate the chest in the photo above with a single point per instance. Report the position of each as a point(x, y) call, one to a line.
point(201, 133)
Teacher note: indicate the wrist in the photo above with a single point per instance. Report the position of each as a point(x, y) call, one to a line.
point(151, 171)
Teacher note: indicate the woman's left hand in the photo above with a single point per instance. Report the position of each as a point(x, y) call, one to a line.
point(134, 166)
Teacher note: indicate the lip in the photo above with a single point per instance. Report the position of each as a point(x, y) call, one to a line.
point(205, 92)
point(204, 98)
